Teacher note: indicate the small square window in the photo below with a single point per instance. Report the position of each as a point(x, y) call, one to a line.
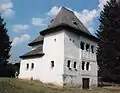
point(52, 64)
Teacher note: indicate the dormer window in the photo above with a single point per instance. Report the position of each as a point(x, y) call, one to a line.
point(75, 23)
point(52, 20)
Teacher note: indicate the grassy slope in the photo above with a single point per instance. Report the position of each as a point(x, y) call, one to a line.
point(8, 85)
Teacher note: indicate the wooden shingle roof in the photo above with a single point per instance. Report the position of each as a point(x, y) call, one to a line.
point(36, 52)
point(36, 41)
point(68, 18)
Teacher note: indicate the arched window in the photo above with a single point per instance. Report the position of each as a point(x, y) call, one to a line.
point(87, 47)
point(82, 45)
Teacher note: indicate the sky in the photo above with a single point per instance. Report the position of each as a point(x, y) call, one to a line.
point(26, 18)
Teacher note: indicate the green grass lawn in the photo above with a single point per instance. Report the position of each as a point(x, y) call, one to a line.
point(12, 85)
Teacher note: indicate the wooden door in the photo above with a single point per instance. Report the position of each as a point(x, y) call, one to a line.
point(85, 84)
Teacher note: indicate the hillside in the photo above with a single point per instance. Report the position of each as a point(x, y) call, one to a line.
point(8, 85)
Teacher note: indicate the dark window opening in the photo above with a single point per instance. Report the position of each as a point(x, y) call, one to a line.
point(75, 64)
point(73, 41)
point(52, 64)
point(54, 39)
point(75, 23)
point(82, 45)
point(52, 20)
point(68, 64)
point(87, 66)
point(27, 66)
point(92, 49)
point(32, 66)
point(83, 65)
point(87, 47)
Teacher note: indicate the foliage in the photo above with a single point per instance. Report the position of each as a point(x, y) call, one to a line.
point(109, 45)
point(5, 43)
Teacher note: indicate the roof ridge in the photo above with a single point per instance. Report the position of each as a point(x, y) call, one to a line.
point(67, 9)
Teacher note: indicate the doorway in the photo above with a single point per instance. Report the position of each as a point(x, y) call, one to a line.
point(85, 84)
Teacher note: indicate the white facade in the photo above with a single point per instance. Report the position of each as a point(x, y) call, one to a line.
point(74, 53)
point(54, 51)
point(59, 48)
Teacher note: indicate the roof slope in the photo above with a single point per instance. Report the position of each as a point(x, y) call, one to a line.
point(38, 40)
point(37, 51)
point(67, 17)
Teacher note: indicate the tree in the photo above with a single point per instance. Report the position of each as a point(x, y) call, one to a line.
point(109, 42)
point(5, 43)
point(5, 46)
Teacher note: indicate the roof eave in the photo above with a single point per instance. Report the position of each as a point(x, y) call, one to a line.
point(63, 26)
point(32, 55)
point(36, 43)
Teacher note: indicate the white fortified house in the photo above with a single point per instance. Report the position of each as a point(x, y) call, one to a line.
point(64, 54)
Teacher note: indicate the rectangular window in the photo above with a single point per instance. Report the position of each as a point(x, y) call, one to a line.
point(92, 49)
point(83, 65)
point(87, 66)
point(87, 47)
point(68, 64)
point(32, 66)
point(52, 64)
point(27, 66)
point(75, 65)
point(82, 45)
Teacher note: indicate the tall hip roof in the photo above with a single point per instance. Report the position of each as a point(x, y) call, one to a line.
point(67, 17)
